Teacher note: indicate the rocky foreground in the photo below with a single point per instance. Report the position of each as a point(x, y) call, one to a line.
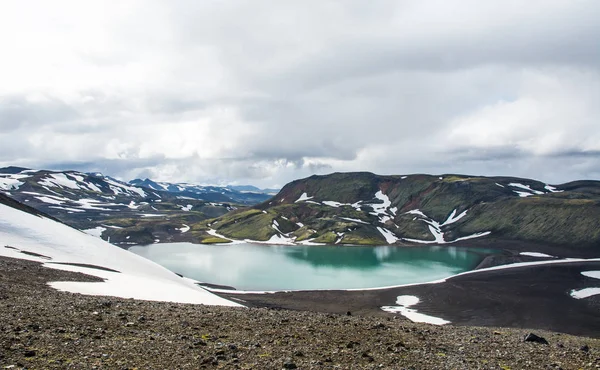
point(41, 328)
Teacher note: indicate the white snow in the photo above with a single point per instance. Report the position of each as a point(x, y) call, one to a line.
point(552, 189)
point(407, 300)
point(354, 220)
point(403, 177)
point(453, 218)
point(523, 194)
point(332, 203)
point(184, 229)
point(7, 183)
point(592, 274)
point(473, 236)
point(404, 302)
point(584, 293)
point(152, 214)
point(137, 278)
point(96, 231)
point(587, 292)
point(93, 204)
point(187, 208)
point(435, 228)
point(500, 185)
point(303, 197)
point(389, 236)
point(59, 180)
point(300, 224)
point(214, 232)
point(277, 239)
point(381, 208)
point(50, 200)
point(536, 254)
point(525, 187)
point(69, 209)
point(119, 188)
point(275, 226)
point(132, 205)
point(416, 212)
point(313, 202)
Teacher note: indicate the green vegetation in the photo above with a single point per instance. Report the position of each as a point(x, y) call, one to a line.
point(569, 217)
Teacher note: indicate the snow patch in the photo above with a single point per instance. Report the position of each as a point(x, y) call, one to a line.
point(184, 229)
point(453, 218)
point(50, 200)
point(96, 231)
point(59, 180)
point(136, 278)
point(332, 203)
point(389, 236)
point(132, 205)
point(303, 197)
point(552, 189)
point(406, 301)
point(354, 220)
point(536, 254)
point(9, 183)
point(584, 293)
point(592, 274)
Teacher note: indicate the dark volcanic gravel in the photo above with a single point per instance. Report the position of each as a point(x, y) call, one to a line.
point(41, 328)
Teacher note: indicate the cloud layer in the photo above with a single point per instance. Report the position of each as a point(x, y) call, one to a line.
point(266, 91)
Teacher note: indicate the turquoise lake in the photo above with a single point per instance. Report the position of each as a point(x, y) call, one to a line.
point(273, 267)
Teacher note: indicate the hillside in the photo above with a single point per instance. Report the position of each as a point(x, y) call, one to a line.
point(27, 234)
point(368, 209)
point(141, 212)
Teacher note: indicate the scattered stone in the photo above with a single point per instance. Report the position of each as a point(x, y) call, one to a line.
point(585, 348)
point(535, 338)
point(288, 364)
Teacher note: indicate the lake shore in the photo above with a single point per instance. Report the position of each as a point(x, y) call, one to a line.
point(43, 328)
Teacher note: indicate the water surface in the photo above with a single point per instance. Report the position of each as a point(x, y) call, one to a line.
point(272, 267)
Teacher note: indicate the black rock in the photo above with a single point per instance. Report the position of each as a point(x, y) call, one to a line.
point(534, 338)
point(585, 348)
point(289, 365)
point(29, 353)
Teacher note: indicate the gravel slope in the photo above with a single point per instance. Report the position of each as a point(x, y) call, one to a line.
point(41, 328)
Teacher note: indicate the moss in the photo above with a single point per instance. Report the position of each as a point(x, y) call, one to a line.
point(214, 240)
point(328, 238)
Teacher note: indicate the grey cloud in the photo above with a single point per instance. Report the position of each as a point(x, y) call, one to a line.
point(280, 90)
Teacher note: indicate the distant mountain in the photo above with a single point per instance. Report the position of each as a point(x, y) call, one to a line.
point(253, 189)
point(117, 211)
point(364, 208)
point(246, 194)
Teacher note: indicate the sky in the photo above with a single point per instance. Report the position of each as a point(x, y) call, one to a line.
point(265, 92)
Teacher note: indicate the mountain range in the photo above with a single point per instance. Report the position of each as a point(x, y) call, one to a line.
point(368, 209)
point(358, 208)
point(142, 211)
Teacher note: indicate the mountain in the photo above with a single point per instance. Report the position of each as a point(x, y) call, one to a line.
point(27, 234)
point(367, 209)
point(246, 194)
point(122, 213)
point(253, 189)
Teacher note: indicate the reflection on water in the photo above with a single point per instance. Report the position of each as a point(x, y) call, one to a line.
point(265, 267)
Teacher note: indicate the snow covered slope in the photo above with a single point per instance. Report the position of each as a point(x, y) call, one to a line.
point(27, 236)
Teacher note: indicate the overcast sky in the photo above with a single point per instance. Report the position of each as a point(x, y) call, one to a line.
point(264, 92)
